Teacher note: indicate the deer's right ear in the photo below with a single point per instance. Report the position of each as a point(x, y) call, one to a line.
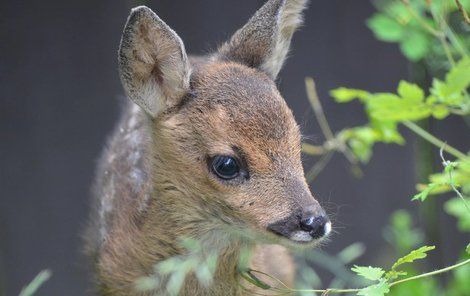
point(153, 64)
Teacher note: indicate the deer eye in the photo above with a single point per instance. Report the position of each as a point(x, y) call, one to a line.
point(225, 167)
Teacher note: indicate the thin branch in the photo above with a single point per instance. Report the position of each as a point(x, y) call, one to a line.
point(464, 13)
point(423, 23)
point(446, 163)
point(435, 141)
point(332, 143)
point(432, 273)
point(318, 167)
point(313, 149)
point(317, 108)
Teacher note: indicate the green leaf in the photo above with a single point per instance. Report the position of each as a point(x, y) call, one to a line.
point(423, 195)
point(413, 255)
point(467, 249)
point(456, 81)
point(415, 45)
point(379, 289)
point(250, 277)
point(457, 208)
point(361, 140)
point(410, 91)
point(343, 94)
point(440, 111)
point(369, 272)
point(387, 106)
point(385, 28)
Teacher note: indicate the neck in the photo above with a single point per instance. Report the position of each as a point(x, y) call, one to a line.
point(173, 217)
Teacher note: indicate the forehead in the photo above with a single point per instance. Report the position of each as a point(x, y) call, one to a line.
point(243, 108)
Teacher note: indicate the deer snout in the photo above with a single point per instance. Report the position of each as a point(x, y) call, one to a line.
point(308, 226)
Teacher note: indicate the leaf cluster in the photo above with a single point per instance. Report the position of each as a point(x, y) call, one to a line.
point(382, 278)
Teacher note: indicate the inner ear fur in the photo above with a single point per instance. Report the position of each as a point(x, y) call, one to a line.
point(263, 43)
point(153, 63)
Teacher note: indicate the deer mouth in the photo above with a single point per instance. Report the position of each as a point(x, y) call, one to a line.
point(299, 235)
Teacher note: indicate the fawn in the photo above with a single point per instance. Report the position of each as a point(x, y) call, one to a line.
point(207, 142)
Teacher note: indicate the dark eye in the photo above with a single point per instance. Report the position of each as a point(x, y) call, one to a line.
point(225, 167)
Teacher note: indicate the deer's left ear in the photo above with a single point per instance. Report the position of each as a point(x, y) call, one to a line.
point(264, 41)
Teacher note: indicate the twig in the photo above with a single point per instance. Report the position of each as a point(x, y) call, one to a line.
point(446, 163)
point(432, 273)
point(313, 150)
point(318, 167)
point(464, 13)
point(332, 143)
point(317, 108)
point(418, 18)
point(435, 141)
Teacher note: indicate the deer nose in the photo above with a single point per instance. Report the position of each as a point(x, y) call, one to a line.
point(316, 226)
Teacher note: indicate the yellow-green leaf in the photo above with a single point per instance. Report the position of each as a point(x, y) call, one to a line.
point(343, 94)
point(369, 272)
point(413, 255)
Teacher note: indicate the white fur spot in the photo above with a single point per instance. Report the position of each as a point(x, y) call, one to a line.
point(327, 228)
point(301, 236)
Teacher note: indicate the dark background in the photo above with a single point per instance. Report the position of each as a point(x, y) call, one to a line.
point(59, 92)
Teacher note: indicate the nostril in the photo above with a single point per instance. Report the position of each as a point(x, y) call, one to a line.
point(307, 224)
point(317, 227)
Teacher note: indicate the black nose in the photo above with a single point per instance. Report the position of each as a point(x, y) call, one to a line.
point(317, 227)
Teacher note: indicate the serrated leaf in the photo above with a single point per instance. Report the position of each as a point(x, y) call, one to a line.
point(413, 255)
point(343, 94)
point(415, 45)
point(456, 81)
point(369, 272)
point(385, 28)
point(379, 289)
point(387, 106)
point(410, 91)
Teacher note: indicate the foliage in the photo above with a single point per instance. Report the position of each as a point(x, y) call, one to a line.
point(435, 34)
point(420, 28)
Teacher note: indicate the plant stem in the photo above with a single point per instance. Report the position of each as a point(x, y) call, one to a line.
point(341, 291)
point(317, 108)
point(432, 273)
point(318, 167)
point(420, 21)
point(313, 149)
point(466, 18)
point(435, 141)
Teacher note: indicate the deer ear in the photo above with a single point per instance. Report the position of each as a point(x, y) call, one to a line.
point(153, 64)
point(264, 41)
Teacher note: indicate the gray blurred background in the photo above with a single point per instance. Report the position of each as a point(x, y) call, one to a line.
point(59, 94)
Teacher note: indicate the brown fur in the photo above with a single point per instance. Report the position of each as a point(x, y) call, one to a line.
point(154, 184)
